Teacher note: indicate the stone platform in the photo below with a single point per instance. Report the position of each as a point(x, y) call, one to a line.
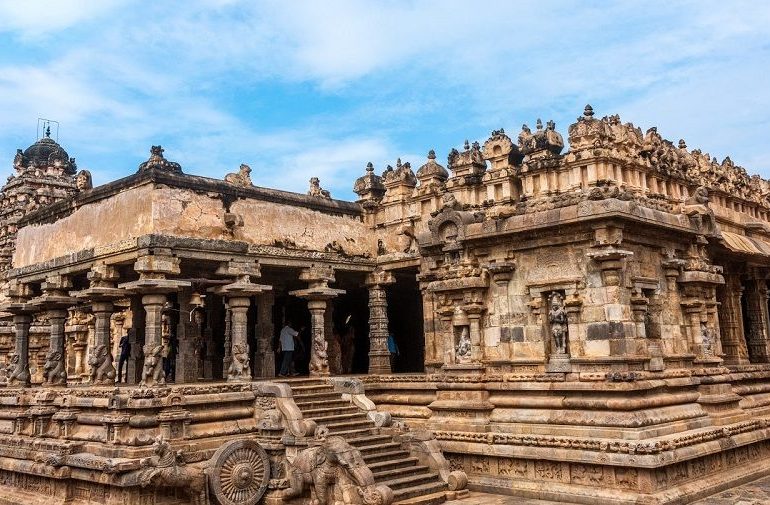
point(753, 493)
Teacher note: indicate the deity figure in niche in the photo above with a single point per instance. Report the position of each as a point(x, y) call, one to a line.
point(464, 346)
point(557, 318)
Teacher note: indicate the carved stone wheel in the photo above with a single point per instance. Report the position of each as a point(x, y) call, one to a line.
point(240, 473)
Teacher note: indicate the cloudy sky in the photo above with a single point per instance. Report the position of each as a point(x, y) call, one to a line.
point(297, 89)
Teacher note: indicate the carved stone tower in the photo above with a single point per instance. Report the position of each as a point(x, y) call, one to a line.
point(44, 174)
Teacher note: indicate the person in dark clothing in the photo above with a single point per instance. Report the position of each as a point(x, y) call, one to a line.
point(125, 353)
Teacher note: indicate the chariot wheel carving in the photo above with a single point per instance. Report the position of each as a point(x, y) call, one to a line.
point(240, 473)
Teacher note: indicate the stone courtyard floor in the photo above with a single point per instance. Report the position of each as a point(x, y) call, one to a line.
point(753, 493)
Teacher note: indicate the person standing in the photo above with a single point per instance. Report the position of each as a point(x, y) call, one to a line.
point(393, 350)
point(125, 353)
point(286, 341)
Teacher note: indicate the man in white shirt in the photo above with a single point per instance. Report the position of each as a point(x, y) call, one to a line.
point(288, 334)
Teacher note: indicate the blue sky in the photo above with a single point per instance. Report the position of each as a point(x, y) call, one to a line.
point(297, 89)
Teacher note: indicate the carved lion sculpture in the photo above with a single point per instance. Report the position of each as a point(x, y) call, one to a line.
point(153, 366)
point(168, 469)
point(239, 367)
point(332, 470)
point(316, 190)
point(100, 361)
point(53, 369)
point(319, 357)
point(15, 372)
point(241, 178)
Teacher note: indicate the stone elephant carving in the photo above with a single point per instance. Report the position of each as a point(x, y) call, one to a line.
point(168, 469)
point(336, 474)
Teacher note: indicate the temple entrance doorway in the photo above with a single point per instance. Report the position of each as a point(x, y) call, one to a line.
point(405, 318)
point(292, 310)
point(350, 326)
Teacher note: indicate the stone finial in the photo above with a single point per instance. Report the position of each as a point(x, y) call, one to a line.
point(369, 186)
point(588, 111)
point(157, 161)
point(682, 144)
point(539, 124)
point(431, 169)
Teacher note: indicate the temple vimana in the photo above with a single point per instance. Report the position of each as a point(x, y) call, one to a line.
point(587, 326)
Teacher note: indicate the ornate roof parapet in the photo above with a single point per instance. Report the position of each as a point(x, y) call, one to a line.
point(401, 176)
point(500, 151)
point(431, 171)
point(468, 164)
point(543, 143)
point(156, 161)
point(369, 187)
point(589, 137)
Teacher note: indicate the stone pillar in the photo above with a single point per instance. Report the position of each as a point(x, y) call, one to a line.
point(226, 362)
point(239, 369)
point(20, 376)
point(319, 362)
point(474, 326)
point(334, 349)
point(756, 302)
point(731, 319)
point(265, 333)
point(317, 294)
point(153, 374)
point(101, 368)
point(118, 320)
point(379, 356)
point(188, 362)
point(56, 363)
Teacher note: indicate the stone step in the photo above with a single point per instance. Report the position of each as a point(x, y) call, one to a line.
point(301, 381)
point(389, 473)
point(326, 395)
point(386, 456)
point(348, 409)
point(421, 499)
point(320, 404)
point(404, 463)
point(335, 427)
point(386, 445)
point(370, 440)
point(332, 418)
point(406, 481)
point(357, 432)
point(312, 388)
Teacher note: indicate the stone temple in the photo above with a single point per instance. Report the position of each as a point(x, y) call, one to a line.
point(588, 326)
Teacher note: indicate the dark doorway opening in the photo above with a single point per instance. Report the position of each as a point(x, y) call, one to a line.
point(405, 318)
point(350, 318)
point(292, 310)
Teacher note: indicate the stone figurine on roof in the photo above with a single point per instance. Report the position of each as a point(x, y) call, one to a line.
point(156, 161)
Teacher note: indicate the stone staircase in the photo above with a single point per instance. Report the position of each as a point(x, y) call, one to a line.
point(412, 483)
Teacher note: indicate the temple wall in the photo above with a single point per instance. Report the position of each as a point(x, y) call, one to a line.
point(178, 212)
point(267, 223)
point(125, 215)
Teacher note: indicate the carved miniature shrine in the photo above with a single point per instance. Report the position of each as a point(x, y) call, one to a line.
point(589, 326)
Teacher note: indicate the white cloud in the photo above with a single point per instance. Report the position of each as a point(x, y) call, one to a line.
point(32, 18)
point(411, 76)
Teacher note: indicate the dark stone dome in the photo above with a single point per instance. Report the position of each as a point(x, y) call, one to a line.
point(46, 152)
